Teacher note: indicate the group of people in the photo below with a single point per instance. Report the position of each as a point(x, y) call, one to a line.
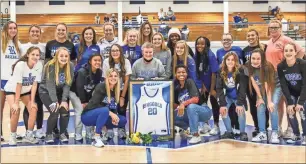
point(94, 75)
point(166, 16)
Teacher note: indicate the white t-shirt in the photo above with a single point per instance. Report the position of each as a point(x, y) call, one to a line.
point(41, 46)
point(128, 69)
point(284, 25)
point(8, 58)
point(23, 74)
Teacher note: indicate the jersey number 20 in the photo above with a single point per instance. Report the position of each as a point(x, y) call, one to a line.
point(152, 111)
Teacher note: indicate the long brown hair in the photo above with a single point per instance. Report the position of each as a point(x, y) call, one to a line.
point(5, 38)
point(121, 60)
point(224, 70)
point(175, 57)
point(25, 57)
point(262, 47)
point(141, 35)
point(267, 72)
point(83, 42)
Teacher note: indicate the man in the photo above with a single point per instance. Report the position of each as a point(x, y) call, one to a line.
point(147, 67)
point(170, 14)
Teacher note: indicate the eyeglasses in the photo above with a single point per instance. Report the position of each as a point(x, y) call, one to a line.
point(274, 28)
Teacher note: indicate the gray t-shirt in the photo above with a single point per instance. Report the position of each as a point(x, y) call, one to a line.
point(141, 69)
point(166, 59)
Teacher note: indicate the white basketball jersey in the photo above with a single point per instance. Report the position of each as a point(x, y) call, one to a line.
point(151, 112)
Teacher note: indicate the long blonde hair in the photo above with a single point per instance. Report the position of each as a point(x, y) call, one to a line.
point(125, 42)
point(224, 70)
point(175, 57)
point(141, 35)
point(163, 44)
point(5, 37)
point(117, 87)
point(56, 64)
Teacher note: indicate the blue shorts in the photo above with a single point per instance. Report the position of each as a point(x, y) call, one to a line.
point(3, 83)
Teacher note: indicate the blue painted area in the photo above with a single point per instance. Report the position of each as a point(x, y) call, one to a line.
point(149, 156)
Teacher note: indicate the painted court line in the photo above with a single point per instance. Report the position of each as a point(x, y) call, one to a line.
point(149, 155)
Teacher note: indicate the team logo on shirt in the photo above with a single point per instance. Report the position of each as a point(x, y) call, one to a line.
point(247, 56)
point(148, 73)
point(27, 81)
point(292, 78)
point(230, 82)
point(106, 52)
point(183, 96)
point(112, 105)
point(53, 51)
point(88, 88)
point(256, 78)
point(62, 78)
point(12, 53)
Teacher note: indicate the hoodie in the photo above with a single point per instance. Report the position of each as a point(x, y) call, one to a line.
point(105, 47)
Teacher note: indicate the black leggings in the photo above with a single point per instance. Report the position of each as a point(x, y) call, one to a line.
point(215, 107)
point(40, 112)
point(122, 110)
point(52, 120)
point(233, 116)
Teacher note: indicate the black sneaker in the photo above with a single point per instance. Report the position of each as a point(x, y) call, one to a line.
point(228, 135)
point(49, 138)
point(255, 132)
point(2, 139)
point(244, 136)
point(56, 133)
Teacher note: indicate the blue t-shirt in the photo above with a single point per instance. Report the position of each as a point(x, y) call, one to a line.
point(192, 72)
point(231, 90)
point(221, 53)
point(213, 67)
point(88, 51)
point(132, 53)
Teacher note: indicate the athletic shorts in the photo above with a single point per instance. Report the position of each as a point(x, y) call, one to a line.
point(3, 83)
point(13, 93)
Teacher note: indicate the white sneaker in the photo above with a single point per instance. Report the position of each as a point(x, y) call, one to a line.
point(293, 140)
point(261, 136)
point(288, 134)
point(29, 138)
point(195, 139)
point(104, 136)
point(215, 130)
point(78, 137)
point(304, 140)
point(274, 138)
point(187, 132)
point(40, 134)
point(204, 129)
point(13, 140)
point(98, 142)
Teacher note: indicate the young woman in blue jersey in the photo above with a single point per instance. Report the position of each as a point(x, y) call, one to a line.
point(10, 53)
point(85, 80)
point(162, 53)
point(182, 56)
point(117, 61)
point(188, 104)
point(233, 81)
point(87, 47)
point(266, 84)
point(34, 36)
point(60, 41)
point(23, 85)
point(145, 33)
point(102, 108)
point(206, 68)
point(108, 40)
point(174, 35)
point(131, 50)
point(54, 92)
point(292, 75)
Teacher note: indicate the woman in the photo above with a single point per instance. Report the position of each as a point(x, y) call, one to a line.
point(187, 105)
point(35, 35)
point(254, 43)
point(206, 68)
point(174, 35)
point(10, 53)
point(85, 81)
point(60, 41)
point(292, 75)
point(264, 80)
point(131, 50)
point(23, 85)
point(162, 53)
point(102, 108)
point(117, 61)
point(86, 48)
point(232, 79)
point(108, 40)
point(54, 92)
point(145, 33)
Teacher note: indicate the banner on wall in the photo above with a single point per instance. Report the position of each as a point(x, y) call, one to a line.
point(150, 107)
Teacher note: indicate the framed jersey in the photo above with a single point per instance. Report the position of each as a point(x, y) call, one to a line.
point(151, 104)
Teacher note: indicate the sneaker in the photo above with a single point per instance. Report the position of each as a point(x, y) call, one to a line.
point(56, 133)
point(187, 133)
point(195, 139)
point(261, 136)
point(122, 133)
point(89, 135)
point(29, 138)
point(255, 132)
point(98, 142)
point(19, 137)
point(49, 138)
point(228, 135)
point(78, 137)
point(244, 136)
point(274, 138)
point(204, 129)
point(104, 135)
point(2, 139)
point(215, 130)
point(40, 134)
point(63, 137)
point(288, 134)
point(293, 140)
point(13, 140)
point(304, 140)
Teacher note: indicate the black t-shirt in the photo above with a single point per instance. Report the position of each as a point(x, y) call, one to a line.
point(53, 45)
point(187, 92)
point(246, 52)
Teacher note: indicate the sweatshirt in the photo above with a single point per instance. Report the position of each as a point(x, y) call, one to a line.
point(192, 72)
point(221, 53)
point(85, 82)
point(147, 71)
point(234, 89)
point(293, 80)
point(166, 59)
point(49, 86)
point(105, 47)
point(87, 53)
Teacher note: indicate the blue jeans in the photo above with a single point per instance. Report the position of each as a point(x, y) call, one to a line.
point(227, 120)
point(193, 114)
point(294, 122)
point(277, 94)
point(99, 117)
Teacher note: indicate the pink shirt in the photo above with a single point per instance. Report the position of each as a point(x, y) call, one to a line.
point(275, 50)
